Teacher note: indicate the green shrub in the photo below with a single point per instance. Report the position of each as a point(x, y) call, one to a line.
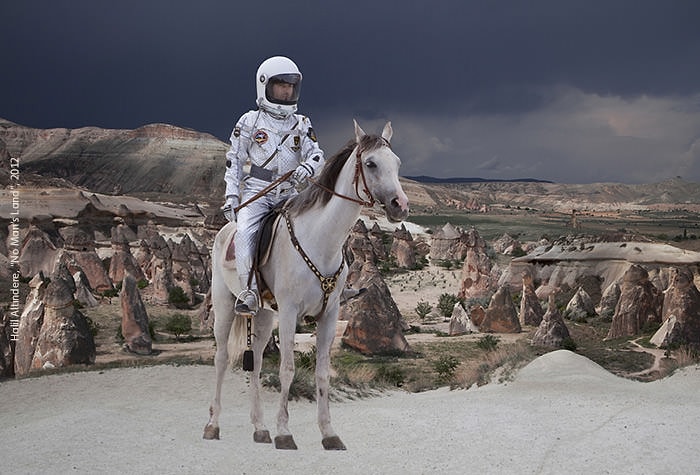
point(390, 374)
point(178, 324)
point(488, 342)
point(178, 298)
point(445, 367)
point(446, 303)
point(423, 309)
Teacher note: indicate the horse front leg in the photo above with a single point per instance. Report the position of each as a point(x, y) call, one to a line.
point(325, 335)
point(287, 329)
point(262, 328)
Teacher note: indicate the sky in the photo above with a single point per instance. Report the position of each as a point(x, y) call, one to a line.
point(572, 91)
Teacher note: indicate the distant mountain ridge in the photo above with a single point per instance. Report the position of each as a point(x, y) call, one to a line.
point(431, 179)
point(162, 162)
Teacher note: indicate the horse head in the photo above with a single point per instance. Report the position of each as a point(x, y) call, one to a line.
point(378, 173)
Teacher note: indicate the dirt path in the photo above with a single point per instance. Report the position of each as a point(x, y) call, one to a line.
point(655, 369)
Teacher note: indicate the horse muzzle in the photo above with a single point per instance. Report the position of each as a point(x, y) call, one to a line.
point(396, 208)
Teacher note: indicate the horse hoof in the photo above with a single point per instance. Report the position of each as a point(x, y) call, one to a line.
point(333, 443)
point(211, 432)
point(285, 442)
point(262, 437)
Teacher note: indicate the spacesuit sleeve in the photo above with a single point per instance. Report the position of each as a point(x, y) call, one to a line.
point(311, 152)
point(236, 156)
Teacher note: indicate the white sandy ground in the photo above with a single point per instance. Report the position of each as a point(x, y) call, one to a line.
point(562, 414)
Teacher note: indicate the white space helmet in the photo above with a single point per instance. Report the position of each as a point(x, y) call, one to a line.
point(276, 70)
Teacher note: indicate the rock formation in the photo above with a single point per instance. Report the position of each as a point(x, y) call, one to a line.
point(580, 306)
point(81, 248)
point(376, 239)
point(552, 331)
point(501, 315)
point(123, 261)
point(403, 249)
point(531, 311)
point(639, 306)
point(30, 324)
point(460, 323)
point(375, 324)
point(38, 253)
point(680, 312)
point(476, 279)
point(506, 244)
point(134, 318)
point(7, 346)
point(449, 243)
point(83, 293)
point(608, 302)
point(477, 314)
point(374, 321)
point(56, 334)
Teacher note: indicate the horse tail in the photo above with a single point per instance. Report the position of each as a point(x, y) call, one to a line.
point(229, 328)
point(237, 341)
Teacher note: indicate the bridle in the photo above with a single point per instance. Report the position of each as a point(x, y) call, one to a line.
point(328, 283)
point(359, 174)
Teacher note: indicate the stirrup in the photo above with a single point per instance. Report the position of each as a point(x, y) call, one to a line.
point(242, 308)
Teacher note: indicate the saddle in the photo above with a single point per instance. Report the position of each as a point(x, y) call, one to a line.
point(264, 238)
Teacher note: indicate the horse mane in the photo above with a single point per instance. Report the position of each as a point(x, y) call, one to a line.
point(314, 194)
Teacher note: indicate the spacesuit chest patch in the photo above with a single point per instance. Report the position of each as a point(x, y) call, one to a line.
point(260, 137)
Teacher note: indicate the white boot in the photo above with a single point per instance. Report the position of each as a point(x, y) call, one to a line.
point(247, 300)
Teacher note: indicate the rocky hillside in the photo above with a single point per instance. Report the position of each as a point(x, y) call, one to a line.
point(165, 162)
point(156, 158)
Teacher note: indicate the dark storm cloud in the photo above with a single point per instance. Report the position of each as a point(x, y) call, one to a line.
point(441, 70)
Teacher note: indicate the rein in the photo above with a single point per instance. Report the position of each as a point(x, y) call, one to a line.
point(328, 284)
point(264, 191)
point(359, 173)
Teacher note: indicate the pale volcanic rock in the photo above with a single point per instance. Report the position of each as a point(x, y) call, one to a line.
point(639, 305)
point(531, 311)
point(134, 326)
point(501, 315)
point(552, 330)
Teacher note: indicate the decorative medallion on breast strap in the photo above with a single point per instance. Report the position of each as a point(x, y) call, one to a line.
point(328, 284)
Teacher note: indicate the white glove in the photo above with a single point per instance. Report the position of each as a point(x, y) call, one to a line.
point(232, 202)
point(300, 175)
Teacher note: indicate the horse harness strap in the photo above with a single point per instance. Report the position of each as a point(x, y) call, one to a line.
point(328, 284)
point(359, 173)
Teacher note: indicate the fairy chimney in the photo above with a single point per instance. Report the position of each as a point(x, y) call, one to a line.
point(639, 305)
point(476, 279)
point(65, 337)
point(403, 249)
point(448, 243)
point(38, 253)
point(460, 323)
point(501, 315)
point(123, 261)
point(552, 330)
point(137, 338)
point(580, 306)
point(681, 312)
point(530, 309)
point(608, 302)
point(375, 324)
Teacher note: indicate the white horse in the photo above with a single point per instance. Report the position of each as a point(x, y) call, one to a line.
point(319, 219)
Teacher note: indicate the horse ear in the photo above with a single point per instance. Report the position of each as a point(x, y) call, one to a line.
point(359, 133)
point(387, 132)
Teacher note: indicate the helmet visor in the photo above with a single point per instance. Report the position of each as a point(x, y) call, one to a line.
point(283, 89)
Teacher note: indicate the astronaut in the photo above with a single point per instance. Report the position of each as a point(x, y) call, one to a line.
point(275, 140)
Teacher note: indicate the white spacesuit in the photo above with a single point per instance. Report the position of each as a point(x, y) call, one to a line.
point(274, 140)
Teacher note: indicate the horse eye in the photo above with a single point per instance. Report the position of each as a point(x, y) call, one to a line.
point(370, 164)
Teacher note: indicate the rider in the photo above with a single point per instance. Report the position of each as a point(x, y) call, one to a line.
point(275, 140)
